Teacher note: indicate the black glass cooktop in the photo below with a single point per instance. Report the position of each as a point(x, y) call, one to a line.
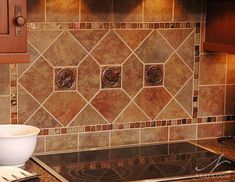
point(163, 162)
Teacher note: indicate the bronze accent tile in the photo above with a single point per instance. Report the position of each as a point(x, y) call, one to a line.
point(154, 135)
point(38, 80)
point(61, 142)
point(113, 50)
point(210, 130)
point(132, 76)
point(88, 116)
point(34, 55)
point(96, 11)
point(154, 49)
point(176, 74)
point(111, 77)
point(27, 105)
point(88, 38)
point(64, 106)
point(175, 36)
point(5, 110)
point(62, 10)
point(152, 100)
point(5, 79)
point(36, 10)
point(212, 69)
point(110, 103)
point(186, 51)
point(40, 145)
point(127, 10)
point(41, 39)
point(187, 10)
point(184, 132)
point(153, 75)
point(231, 69)
point(65, 79)
point(131, 114)
point(211, 100)
point(185, 97)
point(93, 140)
point(133, 38)
point(173, 111)
point(42, 119)
point(124, 137)
point(65, 51)
point(158, 10)
point(230, 99)
point(88, 82)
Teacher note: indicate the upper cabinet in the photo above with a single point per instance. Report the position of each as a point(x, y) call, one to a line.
point(220, 26)
point(13, 32)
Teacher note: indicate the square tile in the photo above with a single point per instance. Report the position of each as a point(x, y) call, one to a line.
point(111, 77)
point(65, 78)
point(36, 10)
point(153, 75)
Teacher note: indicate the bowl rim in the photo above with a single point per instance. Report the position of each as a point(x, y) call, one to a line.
point(35, 130)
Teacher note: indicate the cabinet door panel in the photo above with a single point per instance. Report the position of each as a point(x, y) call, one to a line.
point(3, 16)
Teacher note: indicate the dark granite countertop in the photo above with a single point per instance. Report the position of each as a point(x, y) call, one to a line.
point(227, 148)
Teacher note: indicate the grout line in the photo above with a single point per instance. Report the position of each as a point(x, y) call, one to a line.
point(225, 87)
point(45, 9)
point(173, 11)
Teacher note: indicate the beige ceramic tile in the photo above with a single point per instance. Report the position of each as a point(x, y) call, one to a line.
point(124, 137)
point(36, 10)
point(154, 135)
point(5, 79)
point(40, 145)
point(210, 130)
point(5, 110)
point(93, 140)
point(187, 132)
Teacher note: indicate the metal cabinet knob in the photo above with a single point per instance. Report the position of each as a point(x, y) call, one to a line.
point(20, 21)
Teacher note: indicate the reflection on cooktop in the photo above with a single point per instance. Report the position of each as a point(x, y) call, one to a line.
point(158, 162)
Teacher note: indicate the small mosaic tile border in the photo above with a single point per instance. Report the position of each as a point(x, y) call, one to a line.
point(13, 93)
point(110, 25)
point(123, 126)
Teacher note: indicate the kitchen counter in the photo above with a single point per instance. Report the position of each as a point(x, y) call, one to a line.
point(227, 148)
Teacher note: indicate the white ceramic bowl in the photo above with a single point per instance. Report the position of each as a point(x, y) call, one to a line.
point(17, 144)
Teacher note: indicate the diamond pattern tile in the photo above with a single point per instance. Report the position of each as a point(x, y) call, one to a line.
point(154, 49)
point(65, 51)
point(176, 74)
point(111, 50)
point(110, 103)
point(173, 111)
point(88, 116)
point(64, 106)
point(175, 36)
point(132, 76)
point(88, 78)
point(131, 114)
point(42, 119)
point(38, 80)
point(152, 100)
point(88, 38)
point(27, 105)
point(133, 38)
point(41, 39)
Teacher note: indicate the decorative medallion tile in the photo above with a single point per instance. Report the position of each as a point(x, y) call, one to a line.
point(64, 106)
point(27, 105)
point(153, 75)
point(173, 111)
point(110, 103)
point(41, 39)
point(65, 79)
point(132, 75)
point(131, 114)
point(88, 116)
point(175, 36)
point(88, 78)
point(88, 38)
point(111, 77)
point(38, 80)
point(186, 51)
point(176, 74)
point(152, 100)
point(42, 119)
point(185, 96)
point(65, 51)
point(113, 50)
point(154, 49)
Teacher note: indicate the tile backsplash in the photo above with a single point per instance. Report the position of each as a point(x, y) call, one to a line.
point(112, 73)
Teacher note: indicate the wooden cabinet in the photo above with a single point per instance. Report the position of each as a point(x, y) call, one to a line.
point(13, 32)
point(220, 26)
